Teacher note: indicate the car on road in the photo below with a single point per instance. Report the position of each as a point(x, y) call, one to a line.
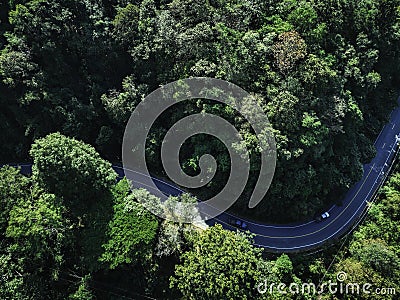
point(237, 223)
point(322, 216)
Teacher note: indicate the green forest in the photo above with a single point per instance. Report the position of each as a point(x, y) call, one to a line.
point(325, 72)
point(58, 242)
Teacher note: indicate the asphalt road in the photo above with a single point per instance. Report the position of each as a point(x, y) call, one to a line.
point(300, 237)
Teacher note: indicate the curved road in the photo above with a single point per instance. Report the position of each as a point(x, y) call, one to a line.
point(300, 237)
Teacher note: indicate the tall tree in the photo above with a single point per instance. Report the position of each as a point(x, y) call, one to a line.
point(221, 264)
point(66, 167)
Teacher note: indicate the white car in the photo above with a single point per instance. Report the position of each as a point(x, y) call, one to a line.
point(321, 217)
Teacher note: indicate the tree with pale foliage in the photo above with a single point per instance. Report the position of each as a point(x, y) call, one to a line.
point(289, 49)
point(221, 265)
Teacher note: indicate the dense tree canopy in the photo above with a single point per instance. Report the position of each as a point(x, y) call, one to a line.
point(324, 72)
point(35, 231)
point(131, 234)
point(118, 249)
point(222, 264)
point(13, 188)
point(370, 255)
point(67, 167)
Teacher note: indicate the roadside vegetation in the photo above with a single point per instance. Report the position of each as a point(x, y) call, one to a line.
point(57, 241)
point(326, 73)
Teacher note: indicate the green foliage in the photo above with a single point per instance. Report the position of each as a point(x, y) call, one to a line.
point(38, 225)
point(66, 167)
point(83, 292)
point(325, 72)
point(63, 64)
point(38, 243)
point(14, 188)
point(131, 233)
point(372, 255)
point(32, 255)
point(76, 173)
point(126, 23)
point(221, 264)
point(56, 64)
point(119, 105)
point(378, 256)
